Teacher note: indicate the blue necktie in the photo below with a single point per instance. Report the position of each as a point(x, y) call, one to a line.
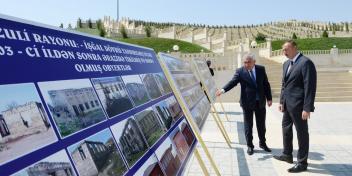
point(255, 83)
point(252, 77)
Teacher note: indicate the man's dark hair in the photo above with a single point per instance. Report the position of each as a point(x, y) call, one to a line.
point(208, 63)
point(292, 42)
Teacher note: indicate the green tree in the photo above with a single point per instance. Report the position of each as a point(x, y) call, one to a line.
point(346, 26)
point(61, 25)
point(260, 38)
point(325, 34)
point(123, 31)
point(294, 36)
point(79, 23)
point(148, 31)
point(334, 30)
point(99, 24)
point(102, 32)
point(90, 25)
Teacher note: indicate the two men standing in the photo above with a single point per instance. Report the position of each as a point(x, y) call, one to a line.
point(296, 102)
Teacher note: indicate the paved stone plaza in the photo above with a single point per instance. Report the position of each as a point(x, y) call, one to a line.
point(330, 143)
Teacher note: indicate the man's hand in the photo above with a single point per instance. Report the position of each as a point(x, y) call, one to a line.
point(270, 103)
point(305, 115)
point(281, 108)
point(218, 92)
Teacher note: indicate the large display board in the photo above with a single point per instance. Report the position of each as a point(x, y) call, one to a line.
point(75, 104)
point(188, 86)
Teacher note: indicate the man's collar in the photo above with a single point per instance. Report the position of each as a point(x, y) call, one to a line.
point(295, 58)
point(253, 69)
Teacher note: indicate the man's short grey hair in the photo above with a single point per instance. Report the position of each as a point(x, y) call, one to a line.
point(249, 56)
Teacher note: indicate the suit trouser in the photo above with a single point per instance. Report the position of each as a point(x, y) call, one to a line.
point(290, 118)
point(260, 115)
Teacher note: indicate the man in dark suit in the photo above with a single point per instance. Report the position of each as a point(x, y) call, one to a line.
point(255, 91)
point(298, 90)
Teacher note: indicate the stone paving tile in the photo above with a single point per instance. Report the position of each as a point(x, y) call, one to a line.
point(330, 148)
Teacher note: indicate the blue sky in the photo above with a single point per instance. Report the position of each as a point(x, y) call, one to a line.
point(18, 93)
point(219, 12)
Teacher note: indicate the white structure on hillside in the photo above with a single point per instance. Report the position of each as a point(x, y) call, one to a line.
point(224, 40)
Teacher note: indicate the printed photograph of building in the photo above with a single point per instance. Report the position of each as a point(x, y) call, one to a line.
point(192, 96)
point(73, 104)
point(113, 95)
point(197, 117)
point(150, 168)
point(150, 125)
point(201, 111)
point(176, 64)
point(205, 75)
point(130, 140)
point(162, 83)
point(23, 121)
point(180, 142)
point(151, 85)
point(169, 159)
point(97, 155)
point(168, 111)
point(57, 164)
point(136, 89)
point(185, 80)
point(187, 132)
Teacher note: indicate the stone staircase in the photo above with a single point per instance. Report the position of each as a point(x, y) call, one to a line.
point(332, 86)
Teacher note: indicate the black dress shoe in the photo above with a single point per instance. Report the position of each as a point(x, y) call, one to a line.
point(265, 148)
point(250, 151)
point(285, 158)
point(298, 168)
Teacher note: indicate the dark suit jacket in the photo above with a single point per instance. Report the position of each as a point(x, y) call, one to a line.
point(299, 86)
point(211, 71)
point(249, 89)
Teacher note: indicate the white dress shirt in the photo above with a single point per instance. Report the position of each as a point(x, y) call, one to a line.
point(293, 60)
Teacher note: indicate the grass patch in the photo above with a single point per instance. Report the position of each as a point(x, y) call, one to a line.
point(164, 45)
point(155, 136)
point(158, 44)
point(318, 43)
point(88, 31)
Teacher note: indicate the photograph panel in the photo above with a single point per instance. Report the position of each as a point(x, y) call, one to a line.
point(169, 111)
point(180, 143)
point(150, 167)
point(176, 64)
point(185, 80)
point(187, 132)
point(151, 85)
point(130, 140)
point(97, 155)
point(112, 94)
point(150, 125)
point(192, 96)
point(162, 82)
point(57, 164)
point(201, 111)
point(169, 158)
point(23, 121)
point(136, 89)
point(73, 104)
